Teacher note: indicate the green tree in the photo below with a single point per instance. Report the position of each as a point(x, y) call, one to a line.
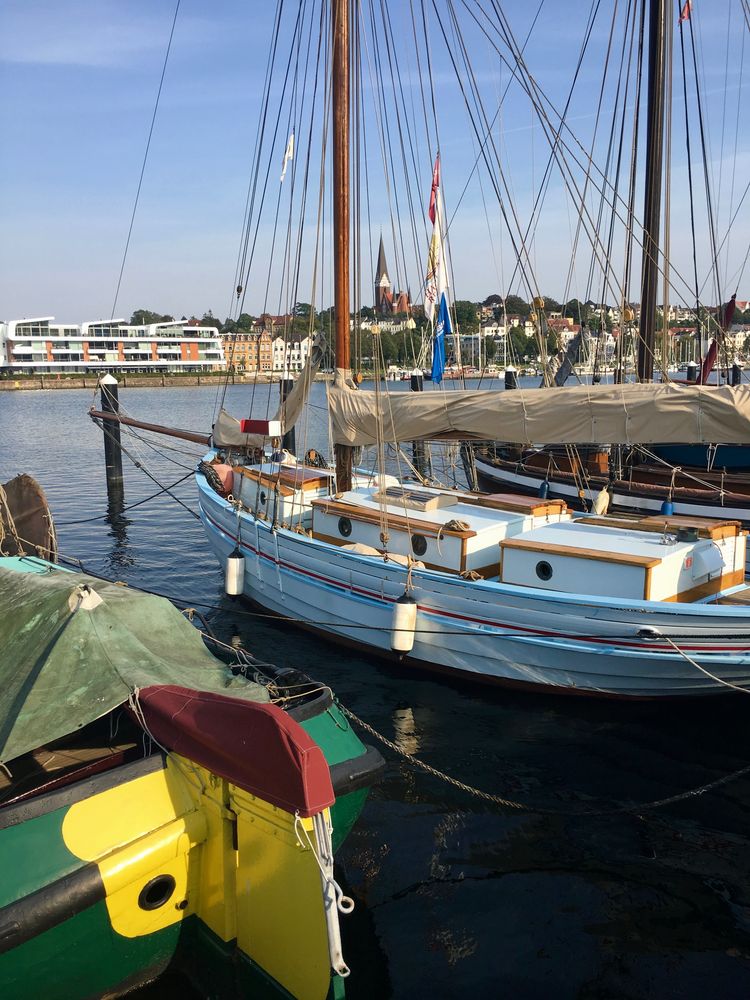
point(514, 304)
point(520, 344)
point(467, 316)
point(144, 317)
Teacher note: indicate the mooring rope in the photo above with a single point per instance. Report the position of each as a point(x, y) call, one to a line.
point(514, 804)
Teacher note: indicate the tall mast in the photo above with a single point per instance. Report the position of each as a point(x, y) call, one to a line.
point(340, 89)
point(657, 36)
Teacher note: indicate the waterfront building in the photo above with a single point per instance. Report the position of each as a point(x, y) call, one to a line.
point(40, 345)
point(248, 351)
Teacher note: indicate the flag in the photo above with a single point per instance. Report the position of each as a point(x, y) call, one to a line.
point(434, 191)
point(442, 329)
point(288, 154)
point(436, 278)
point(685, 12)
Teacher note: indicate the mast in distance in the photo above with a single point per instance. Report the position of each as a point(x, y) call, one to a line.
point(657, 37)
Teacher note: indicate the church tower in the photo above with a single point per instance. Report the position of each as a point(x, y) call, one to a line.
point(383, 295)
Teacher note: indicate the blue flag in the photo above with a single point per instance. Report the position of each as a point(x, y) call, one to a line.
point(442, 329)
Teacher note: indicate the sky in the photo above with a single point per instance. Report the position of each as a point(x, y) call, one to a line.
point(78, 84)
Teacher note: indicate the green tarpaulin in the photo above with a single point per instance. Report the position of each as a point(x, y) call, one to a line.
point(73, 647)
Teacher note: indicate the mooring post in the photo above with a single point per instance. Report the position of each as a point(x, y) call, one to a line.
point(289, 440)
point(111, 428)
point(419, 449)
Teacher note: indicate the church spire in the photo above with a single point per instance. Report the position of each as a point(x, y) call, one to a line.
point(382, 281)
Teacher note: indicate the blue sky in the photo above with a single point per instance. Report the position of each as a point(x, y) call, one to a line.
point(78, 82)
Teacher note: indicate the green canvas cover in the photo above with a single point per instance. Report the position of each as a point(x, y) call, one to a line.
point(73, 647)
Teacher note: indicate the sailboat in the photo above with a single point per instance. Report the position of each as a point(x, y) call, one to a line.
point(686, 478)
point(497, 588)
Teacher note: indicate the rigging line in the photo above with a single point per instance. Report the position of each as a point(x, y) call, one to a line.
point(706, 165)
point(272, 146)
point(145, 158)
point(736, 138)
point(532, 88)
point(142, 467)
point(405, 138)
point(131, 506)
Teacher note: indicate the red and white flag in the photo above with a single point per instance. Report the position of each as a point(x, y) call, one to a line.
point(434, 191)
point(436, 279)
point(685, 12)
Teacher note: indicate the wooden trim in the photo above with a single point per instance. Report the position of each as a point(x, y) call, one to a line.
point(707, 528)
point(514, 503)
point(270, 482)
point(340, 542)
point(624, 558)
point(715, 586)
point(394, 520)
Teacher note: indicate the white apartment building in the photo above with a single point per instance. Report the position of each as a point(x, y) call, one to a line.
point(290, 355)
point(40, 345)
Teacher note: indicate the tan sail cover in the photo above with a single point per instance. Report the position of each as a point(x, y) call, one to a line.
point(226, 431)
point(631, 413)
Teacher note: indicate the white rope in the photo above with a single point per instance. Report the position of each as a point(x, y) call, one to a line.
point(691, 661)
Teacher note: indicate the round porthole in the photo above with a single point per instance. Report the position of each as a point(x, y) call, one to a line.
point(418, 545)
point(263, 498)
point(157, 892)
point(345, 526)
point(543, 570)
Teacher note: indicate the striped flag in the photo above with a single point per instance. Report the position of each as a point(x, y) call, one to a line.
point(685, 12)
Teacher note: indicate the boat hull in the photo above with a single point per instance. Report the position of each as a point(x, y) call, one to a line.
point(482, 629)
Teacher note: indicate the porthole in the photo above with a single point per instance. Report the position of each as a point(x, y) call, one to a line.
point(345, 526)
point(543, 570)
point(263, 498)
point(418, 545)
point(157, 892)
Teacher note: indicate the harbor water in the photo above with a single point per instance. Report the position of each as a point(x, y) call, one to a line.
point(454, 897)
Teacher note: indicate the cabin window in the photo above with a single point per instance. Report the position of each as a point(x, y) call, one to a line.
point(418, 545)
point(345, 526)
point(543, 570)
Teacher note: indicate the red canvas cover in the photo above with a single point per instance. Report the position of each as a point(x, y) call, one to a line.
point(255, 746)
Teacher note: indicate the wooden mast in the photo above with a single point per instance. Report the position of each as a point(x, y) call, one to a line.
point(657, 36)
point(340, 89)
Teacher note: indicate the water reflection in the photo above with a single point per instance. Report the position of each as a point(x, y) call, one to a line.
point(121, 555)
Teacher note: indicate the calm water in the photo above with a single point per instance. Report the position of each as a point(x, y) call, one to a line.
point(454, 898)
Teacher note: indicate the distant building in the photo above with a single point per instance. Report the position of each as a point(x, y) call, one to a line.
point(387, 301)
point(40, 345)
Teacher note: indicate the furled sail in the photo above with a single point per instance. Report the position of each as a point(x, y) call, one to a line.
point(226, 431)
point(630, 413)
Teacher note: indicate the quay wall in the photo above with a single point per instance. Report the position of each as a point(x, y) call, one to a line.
point(132, 381)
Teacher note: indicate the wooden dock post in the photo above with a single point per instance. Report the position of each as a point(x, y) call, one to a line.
point(112, 447)
point(289, 440)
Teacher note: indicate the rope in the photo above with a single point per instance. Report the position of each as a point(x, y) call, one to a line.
point(718, 680)
point(145, 158)
point(514, 804)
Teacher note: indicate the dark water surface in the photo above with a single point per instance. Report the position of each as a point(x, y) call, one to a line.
point(454, 898)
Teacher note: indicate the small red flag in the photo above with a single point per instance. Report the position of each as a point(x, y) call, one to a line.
point(685, 12)
point(434, 191)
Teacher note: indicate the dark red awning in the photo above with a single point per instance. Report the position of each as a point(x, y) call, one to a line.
point(257, 747)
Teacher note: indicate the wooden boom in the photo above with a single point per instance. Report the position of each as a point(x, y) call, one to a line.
point(175, 432)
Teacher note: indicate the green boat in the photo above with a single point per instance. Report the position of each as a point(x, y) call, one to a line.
point(159, 809)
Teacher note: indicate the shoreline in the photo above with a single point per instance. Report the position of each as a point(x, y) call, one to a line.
point(135, 381)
